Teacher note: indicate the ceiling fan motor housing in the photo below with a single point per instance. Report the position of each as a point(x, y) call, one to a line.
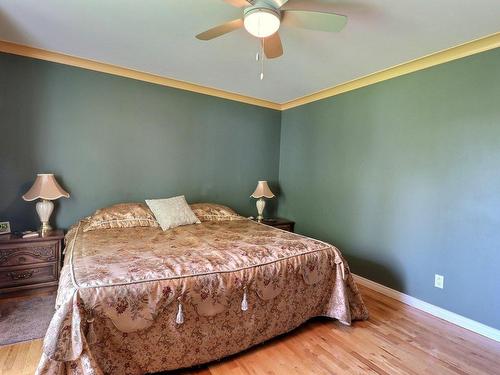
point(262, 6)
point(262, 19)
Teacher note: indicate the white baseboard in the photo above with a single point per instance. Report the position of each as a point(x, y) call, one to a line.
point(439, 312)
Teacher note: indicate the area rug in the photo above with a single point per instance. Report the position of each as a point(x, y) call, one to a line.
point(25, 319)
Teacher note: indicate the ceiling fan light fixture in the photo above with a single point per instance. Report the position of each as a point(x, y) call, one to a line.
point(261, 22)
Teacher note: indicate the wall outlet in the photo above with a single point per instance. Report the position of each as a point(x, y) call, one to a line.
point(439, 281)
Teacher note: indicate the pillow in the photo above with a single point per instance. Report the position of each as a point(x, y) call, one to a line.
point(172, 212)
point(122, 215)
point(214, 212)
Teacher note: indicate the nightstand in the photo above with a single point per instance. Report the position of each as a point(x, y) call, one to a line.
point(30, 265)
point(280, 223)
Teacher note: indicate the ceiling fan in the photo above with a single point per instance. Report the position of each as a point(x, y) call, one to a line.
point(263, 18)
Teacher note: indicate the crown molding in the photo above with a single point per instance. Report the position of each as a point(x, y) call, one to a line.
point(463, 50)
point(41, 54)
point(467, 49)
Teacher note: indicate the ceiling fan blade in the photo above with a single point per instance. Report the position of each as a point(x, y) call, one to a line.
point(239, 3)
point(219, 30)
point(309, 5)
point(280, 3)
point(314, 20)
point(272, 46)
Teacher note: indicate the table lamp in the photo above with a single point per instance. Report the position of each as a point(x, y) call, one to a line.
point(47, 189)
point(261, 191)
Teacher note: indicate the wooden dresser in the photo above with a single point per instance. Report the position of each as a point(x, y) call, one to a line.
point(29, 265)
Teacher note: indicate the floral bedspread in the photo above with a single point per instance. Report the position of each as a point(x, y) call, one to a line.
point(140, 300)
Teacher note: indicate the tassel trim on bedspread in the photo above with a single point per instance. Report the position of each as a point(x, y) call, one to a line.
point(91, 335)
point(179, 319)
point(244, 302)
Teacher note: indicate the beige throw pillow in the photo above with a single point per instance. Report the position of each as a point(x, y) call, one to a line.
point(172, 212)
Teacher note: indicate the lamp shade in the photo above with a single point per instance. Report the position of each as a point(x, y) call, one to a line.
point(45, 187)
point(262, 191)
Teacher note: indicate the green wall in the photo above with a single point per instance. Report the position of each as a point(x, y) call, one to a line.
point(110, 139)
point(404, 177)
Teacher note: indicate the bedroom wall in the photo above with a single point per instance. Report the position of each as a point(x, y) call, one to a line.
point(404, 177)
point(110, 139)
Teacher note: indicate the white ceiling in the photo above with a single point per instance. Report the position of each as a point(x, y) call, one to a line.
point(157, 36)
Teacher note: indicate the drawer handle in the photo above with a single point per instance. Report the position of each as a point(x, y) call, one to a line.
point(21, 275)
point(21, 259)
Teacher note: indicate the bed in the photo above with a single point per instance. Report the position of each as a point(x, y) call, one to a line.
point(141, 300)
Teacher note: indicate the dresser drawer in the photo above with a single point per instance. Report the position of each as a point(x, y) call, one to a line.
point(29, 265)
point(16, 276)
point(29, 253)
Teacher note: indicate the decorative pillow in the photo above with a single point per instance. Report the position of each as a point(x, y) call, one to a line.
point(122, 215)
point(214, 212)
point(172, 212)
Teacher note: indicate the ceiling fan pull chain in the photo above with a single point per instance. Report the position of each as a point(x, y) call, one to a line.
point(262, 57)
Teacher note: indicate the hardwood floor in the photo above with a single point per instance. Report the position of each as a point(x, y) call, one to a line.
point(397, 339)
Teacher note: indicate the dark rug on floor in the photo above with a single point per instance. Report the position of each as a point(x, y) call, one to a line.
point(25, 319)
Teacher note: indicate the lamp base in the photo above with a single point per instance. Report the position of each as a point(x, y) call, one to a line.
point(44, 209)
point(45, 227)
point(261, 204)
